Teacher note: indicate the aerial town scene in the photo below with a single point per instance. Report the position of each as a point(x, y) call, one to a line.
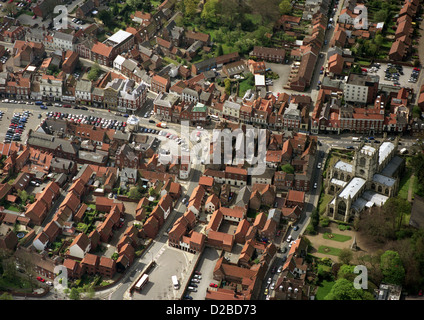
point(211, 150)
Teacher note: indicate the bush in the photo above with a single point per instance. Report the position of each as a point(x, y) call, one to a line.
point(343, 227)
point(325, 221)
point(310, 229)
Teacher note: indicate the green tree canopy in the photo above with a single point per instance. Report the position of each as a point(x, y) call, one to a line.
point(345, 256)
point(392, 268)
point(227, 83)
point(74, 294)
point(285, 7)
point(416, 111)
point(343, 289)
point(134, 193)
point(94, 73)
point(107, 18)
point(346, 272)
point(287, 168)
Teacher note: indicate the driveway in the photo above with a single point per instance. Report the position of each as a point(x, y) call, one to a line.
point(283, 71)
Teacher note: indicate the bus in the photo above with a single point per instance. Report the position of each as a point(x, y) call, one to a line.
point(142, 282)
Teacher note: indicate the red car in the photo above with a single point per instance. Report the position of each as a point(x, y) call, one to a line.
point(34, 16)
point(41, 279)
point(67, 106)
point(213, 285)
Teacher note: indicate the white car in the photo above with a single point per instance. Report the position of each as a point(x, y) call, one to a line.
point(319, 166)
point(315, 185)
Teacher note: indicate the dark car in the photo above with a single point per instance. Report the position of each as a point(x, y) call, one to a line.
point(152, 121)
point(76, 107)
point(49, 104)
point(84, 108)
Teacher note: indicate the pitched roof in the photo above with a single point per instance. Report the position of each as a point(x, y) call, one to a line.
point(102, 49)
point(81, 241)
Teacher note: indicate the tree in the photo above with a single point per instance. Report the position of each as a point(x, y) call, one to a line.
point(287, 168)
point(381, 15)
point(134, 193)
point(343, 289)
point(416, 111)
point(6, 296)
point(346, 272)
point(219, 51)
point(89, 292)
point(135, 4)
point(190, 8)
point(94, 73)
point(23, 195)
point(267, 9)
point(74, 294)
point(379, 40)
point(211, 12)
point(107, 18)
point(152, 192)
point(392, 268)
point(227, 83)
point(345, 256)
point(285, 7)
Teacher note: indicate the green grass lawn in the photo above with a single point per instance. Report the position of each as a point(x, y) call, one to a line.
point(323, 289)
point(404, 184)
point(11, 207)
point(243, 87)
point(326, 198)
point(331, 251)
point(336, 237)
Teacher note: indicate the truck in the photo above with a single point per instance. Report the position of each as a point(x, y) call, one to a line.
point(175, 282)
point(161, 125)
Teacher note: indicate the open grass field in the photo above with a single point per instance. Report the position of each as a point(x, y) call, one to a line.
point(323, 289)
point(329, 250)
point(336, 237)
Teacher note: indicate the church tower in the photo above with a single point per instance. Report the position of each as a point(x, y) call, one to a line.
point(365, 162)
